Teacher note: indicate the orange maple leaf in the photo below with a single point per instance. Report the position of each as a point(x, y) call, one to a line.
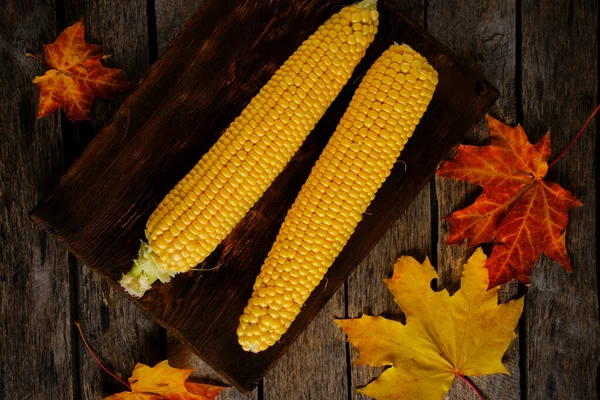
point(518, 211)
point(163, 382)
point(77, 76)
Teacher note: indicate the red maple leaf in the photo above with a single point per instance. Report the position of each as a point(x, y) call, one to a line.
point(77, 76)
point(518, 211)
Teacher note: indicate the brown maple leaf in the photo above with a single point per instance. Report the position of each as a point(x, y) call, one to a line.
point(518, 211)
point(77, 76)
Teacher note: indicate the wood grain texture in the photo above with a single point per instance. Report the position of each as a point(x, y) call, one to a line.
point(483, 34)
point(36, 359)
point(171, 16)
point(560, 84)
point(314, 367)
point(118, 331)
point(236, 46)
point(368, 294)
point(409, 235)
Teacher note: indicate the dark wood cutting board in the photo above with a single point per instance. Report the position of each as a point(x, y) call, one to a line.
point(217, 63)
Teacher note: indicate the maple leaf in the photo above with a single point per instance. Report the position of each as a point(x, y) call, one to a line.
point(518, 211)
point(444, 336)
point(77, 77)
point(163, 382)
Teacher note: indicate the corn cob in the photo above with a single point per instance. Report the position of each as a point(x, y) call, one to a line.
point(205, 206)
point(383, 113)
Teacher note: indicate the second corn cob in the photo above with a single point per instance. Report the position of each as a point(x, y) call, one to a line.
point(205, 206)
point(383, 113)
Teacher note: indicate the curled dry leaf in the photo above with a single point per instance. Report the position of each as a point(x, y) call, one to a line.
point(77, 77)
point(521, 213)
point(444, 337)
point(163, 382)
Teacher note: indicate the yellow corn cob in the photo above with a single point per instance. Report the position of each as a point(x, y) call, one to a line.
point(205, 206)
point(382, 115)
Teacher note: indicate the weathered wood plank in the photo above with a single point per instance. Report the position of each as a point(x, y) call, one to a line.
point(118, 331)
point(315, 365)
point(36, 359)
point(368, 294)
point(171, 16)
point(482, 34)
point(409, 235)
point(560, 84)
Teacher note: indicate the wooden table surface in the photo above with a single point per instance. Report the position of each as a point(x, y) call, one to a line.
point(544, 58)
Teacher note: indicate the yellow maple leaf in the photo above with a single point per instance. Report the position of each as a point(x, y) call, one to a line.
point(444, 337)
point(163, 382)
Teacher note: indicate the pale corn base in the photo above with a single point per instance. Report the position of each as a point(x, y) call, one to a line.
point(146, 270)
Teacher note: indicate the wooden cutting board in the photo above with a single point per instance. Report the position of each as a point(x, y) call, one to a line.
point(217, 63)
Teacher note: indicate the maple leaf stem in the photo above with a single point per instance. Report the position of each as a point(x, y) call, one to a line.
point(97, 360)
point(471, 385)
point(37, 58)
point(587, 122)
